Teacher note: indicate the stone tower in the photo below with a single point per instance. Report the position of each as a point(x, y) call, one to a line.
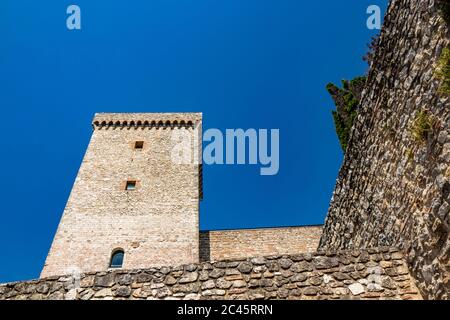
point(130, 195)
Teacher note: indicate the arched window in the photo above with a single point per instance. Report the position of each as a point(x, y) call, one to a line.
point(117, 259)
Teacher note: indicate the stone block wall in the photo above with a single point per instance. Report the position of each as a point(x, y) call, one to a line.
point(358, 274)
point(155, 224)
point(232, 244)
point(394, 189)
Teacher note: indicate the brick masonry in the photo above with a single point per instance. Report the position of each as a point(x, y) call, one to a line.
point(392, 189)
point(156, 224)
point(358, 274)
point(232, 244)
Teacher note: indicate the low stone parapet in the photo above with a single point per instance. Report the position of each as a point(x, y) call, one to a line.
point(360, 274)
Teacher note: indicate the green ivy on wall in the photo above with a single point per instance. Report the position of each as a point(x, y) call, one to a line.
point(346, 100)
point(443, 71)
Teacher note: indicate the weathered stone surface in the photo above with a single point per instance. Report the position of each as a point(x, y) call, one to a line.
point(316, 281)
point(216, 273)
point(340, 276)
point(238, 280)
point(299, 277)
point(42, 288)
point(245, 267)
point(256, 295)
point(208, 285)
point(237, 277)
point(223, 284)
point(356, 288)
point(239, 284)
point(204, 275)
point(123, 291)
point(192, 296)
point(325, 262)
point(214, 292)
point(103, 293)
point(188, 277)
point(258, 260)
point(190, 267)
point(140, 293)
point(156, 285)
point(393, 187)
point(56, 296)
point(310, 291)
point(87, 281)
point(169, 280)
point(144, 277)
point(163, 292)
point(105, 281)
point(284, 263)
point(283, 293)
point(124, 279)
point(86, 295)
point(301, 266)
point(272, 266)
point(71, 295)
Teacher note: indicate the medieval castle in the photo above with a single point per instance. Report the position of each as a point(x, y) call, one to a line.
point(130, 226)
point(130, 200)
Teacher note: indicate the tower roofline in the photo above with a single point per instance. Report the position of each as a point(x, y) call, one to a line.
point(157, 119)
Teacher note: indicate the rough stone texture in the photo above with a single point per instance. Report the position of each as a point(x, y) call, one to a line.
point(376, 274)
point(393, 190)
point(231, 244)
point(156, 224)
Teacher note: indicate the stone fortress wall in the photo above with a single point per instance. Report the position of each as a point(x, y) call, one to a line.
point(359, 274)
point(393, 188)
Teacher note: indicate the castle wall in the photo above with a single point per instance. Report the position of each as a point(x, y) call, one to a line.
point(232, 244)
point(360, 274)
point(156, 224)
point(393, 189)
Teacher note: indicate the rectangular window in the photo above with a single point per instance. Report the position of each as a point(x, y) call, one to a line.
point(131, 185)
point(139, 145)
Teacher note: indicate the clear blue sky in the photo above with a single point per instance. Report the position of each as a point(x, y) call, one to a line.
point(243, 63)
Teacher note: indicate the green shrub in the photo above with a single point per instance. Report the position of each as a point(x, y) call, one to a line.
point(443, 71)
point(342, 130)
point(422, 126)
point(347, 104)
point(410, 155)
point(358, 81)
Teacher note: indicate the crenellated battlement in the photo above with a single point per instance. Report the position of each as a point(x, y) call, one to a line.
point(146, 120)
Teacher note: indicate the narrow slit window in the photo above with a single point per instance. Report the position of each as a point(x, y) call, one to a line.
point(139, 145)
point(131, 185)
point(116, 259)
